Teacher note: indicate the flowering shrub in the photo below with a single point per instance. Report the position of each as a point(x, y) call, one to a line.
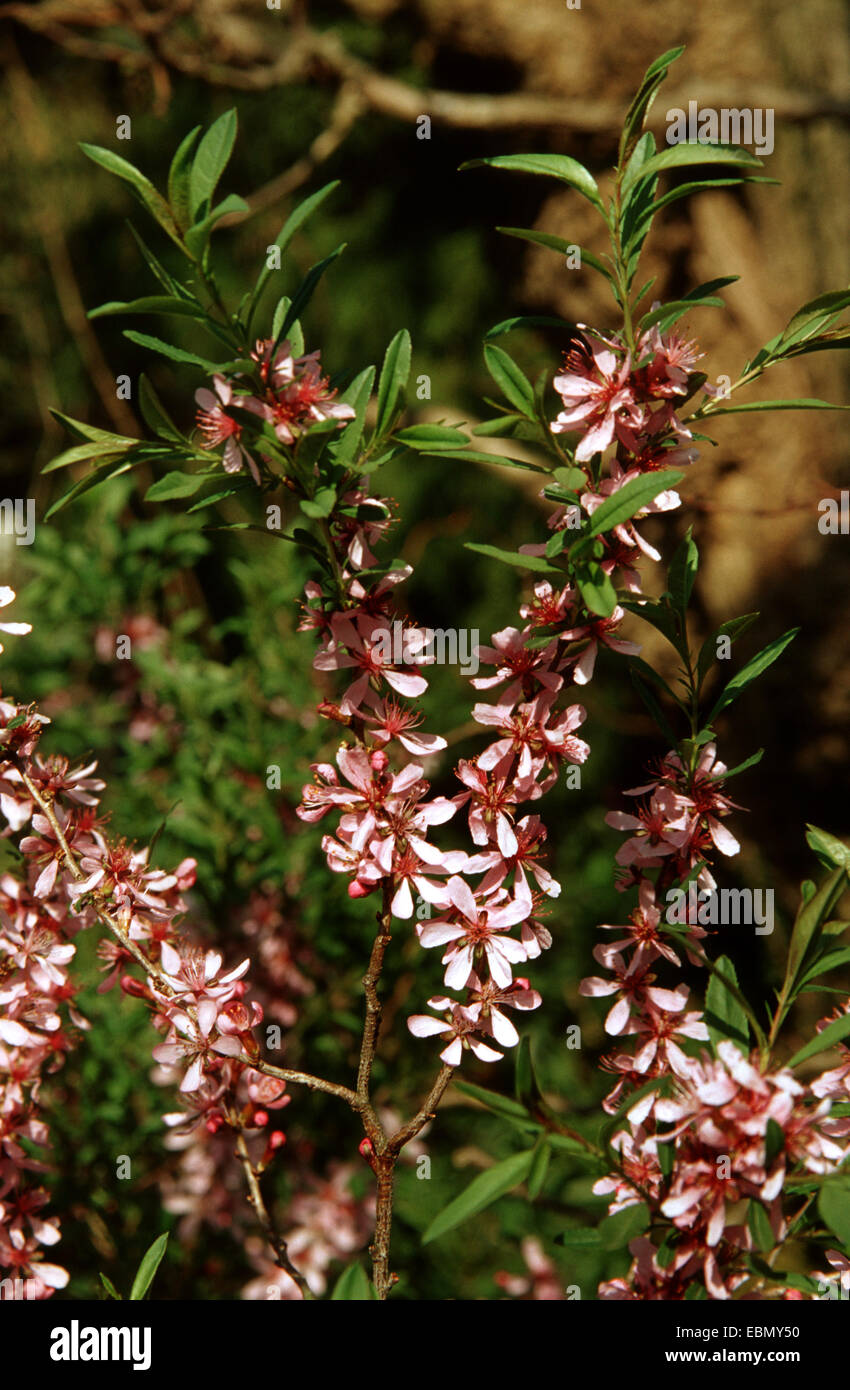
point(721, 1157)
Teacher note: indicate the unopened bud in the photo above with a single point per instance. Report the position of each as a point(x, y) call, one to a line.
point(134, 987)
point(379, 760)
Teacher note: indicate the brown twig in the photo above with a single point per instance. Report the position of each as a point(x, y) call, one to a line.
point(273, 1236)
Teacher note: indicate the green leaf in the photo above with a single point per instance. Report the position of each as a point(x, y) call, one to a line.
point(659, 616)
point(211, 160)
point(174, 485)
point(580, 1238)
point(174, 354)
point(393, 379)
point(555, 166)
point(758, 1222)
point(353, 1285)
point(305, 290)
point(513, 383)
point(686, 190)
point(357, 396)
point(79, 453)
point(774, 1142)
point(485, 1189)
point(830, 850)
point(631, 499)
point(526, 1086)
point(596, 588)
point(752, 761)
point(692, 152)
point(155, 415)
point(830, 1036)
point(142, 187)
point(617, 1230)
point(104, 473)
point(150, 304)
point(724, 1016)
point(527, 321)
point(539, 1169)
point(493, 459)
point(563, 247)
point(830, 960)
point(646, 693)
point(178, 179)
point(834, 1207)
point(643, 99)
point(751, 672)
point(321, 504)
point(148, 1268)
point(110, 1287)
point(511, 557)
point(198, 236)
point(295, 219)
point(813, 912)
point(803, 403)
point(732, 628)
point(682, 573)
point(500, 1105)
point(431, 438)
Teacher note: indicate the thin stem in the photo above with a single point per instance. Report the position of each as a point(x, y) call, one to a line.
point(273, 1236)
point(425, 1113)
point(374, 1008)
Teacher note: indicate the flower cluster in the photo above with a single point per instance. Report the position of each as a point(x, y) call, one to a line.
point(73, 873)
point(295, 396)
point(382, 840)
point(714, 1132)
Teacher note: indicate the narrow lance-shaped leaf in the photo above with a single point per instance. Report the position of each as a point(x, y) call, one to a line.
point(394, 373)
point(512, 382)
point(643, 99)
point(554, 166)
point(724, 1016)
point(751, 672)
point(809, 920)
point(296, 218)
point(683, 572)
point(629, 500)
point(692, 152)
point(148, 1268)
point(141, 186)
point(486, 1188)
point(178, 179)
point(829, 849)
point(830, 1036)
point(305, 291)
point(211, 159)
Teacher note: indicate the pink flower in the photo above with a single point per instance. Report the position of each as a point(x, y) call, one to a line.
point(596, 630)
point(459, 1026)
point(218, 427)
point(598, 397)
point(472, 930)
point(7, 595)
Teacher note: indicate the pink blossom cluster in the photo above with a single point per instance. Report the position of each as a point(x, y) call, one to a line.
point(207, 1185)
point(295, 396)
point(382, 838)
point(718, 1117)
point(328, 1223)
point(73, 873)
point(610, 395)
